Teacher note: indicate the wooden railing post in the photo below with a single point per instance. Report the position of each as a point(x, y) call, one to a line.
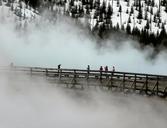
point(135, 83)
point(60, 71)
point(150, 84)
point(124, 81)
point(111, 81)
point(46, 71)
point(31, 71)
point(165, 92)
point(101, 76)
point(157, 88)
point(75, 76)
point(88, 71)
point(146, 91)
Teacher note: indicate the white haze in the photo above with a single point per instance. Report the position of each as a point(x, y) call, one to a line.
point(70, 45)
point(31, 102)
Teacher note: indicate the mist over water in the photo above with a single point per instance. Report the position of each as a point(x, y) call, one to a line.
point(66, 43)
point(32, 102)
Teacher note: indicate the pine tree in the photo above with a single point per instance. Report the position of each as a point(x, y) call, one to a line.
point(128, 29)
point(91, 4)
point(163, 35)
point(103, 8)
point(151, 11)
point(146, 15)
point(120, 11)
point(101, 31)
point(81, 11)
point(128, 3)
point(34, 3)
point(131, 11)
point(118, 3)
point(152, 3)
point(140, 11)
point(97, 4)
point(127, 11)
point(12, 7)
point(155, 19)
point(87, 9)
point(147, 25)
point(109, 11)
point(83, 2)
point(117, 27)
point(129, 20)
point(163, 2)
point(8, 3)
point(0, 2)
point(149, 2)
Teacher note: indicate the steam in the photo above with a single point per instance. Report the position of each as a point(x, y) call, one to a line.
point(33, 102)
point(67, 43)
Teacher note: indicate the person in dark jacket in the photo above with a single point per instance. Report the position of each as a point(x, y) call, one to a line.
point(113, 69)
point(58, 69)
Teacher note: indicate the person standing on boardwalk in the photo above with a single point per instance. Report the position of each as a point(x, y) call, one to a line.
point(59, 66)
point(88, 71)
point(106, 68)
point(101, 70)
point(113, 69)
point(88, 68)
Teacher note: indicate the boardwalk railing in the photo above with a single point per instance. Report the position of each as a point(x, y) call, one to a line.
point(149, 84)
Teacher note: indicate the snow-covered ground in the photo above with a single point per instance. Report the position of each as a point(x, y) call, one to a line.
point(135, 22)
point(20, 13)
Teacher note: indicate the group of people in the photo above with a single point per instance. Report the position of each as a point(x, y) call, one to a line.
point(106, 68)
point(88, 68)
point(102, 68)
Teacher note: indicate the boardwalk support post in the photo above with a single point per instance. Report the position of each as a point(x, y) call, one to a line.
point(157, 85)
point(149, 84)
point(46, 71)
point(74, 81)
point(31, 71)
point(146, 85)
point(123, 81)
point(135, 83)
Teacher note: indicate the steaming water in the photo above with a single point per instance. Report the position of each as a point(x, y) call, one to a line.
point(72, 46)
point(32, 102)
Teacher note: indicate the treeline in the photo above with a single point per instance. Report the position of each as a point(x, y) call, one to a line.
point(104, 12)
point(33, 3)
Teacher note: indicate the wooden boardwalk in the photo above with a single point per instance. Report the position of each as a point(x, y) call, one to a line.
point(147, 84)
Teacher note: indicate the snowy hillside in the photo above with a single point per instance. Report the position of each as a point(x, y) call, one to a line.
point(120, 13)
point(139, 14)
point(146, 19)
point(16, 11)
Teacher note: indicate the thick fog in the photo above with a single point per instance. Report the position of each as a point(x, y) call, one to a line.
point(66, 43)
point(32, 102)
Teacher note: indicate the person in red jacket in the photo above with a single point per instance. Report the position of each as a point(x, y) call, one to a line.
point(101, 68)
point(106, 68)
